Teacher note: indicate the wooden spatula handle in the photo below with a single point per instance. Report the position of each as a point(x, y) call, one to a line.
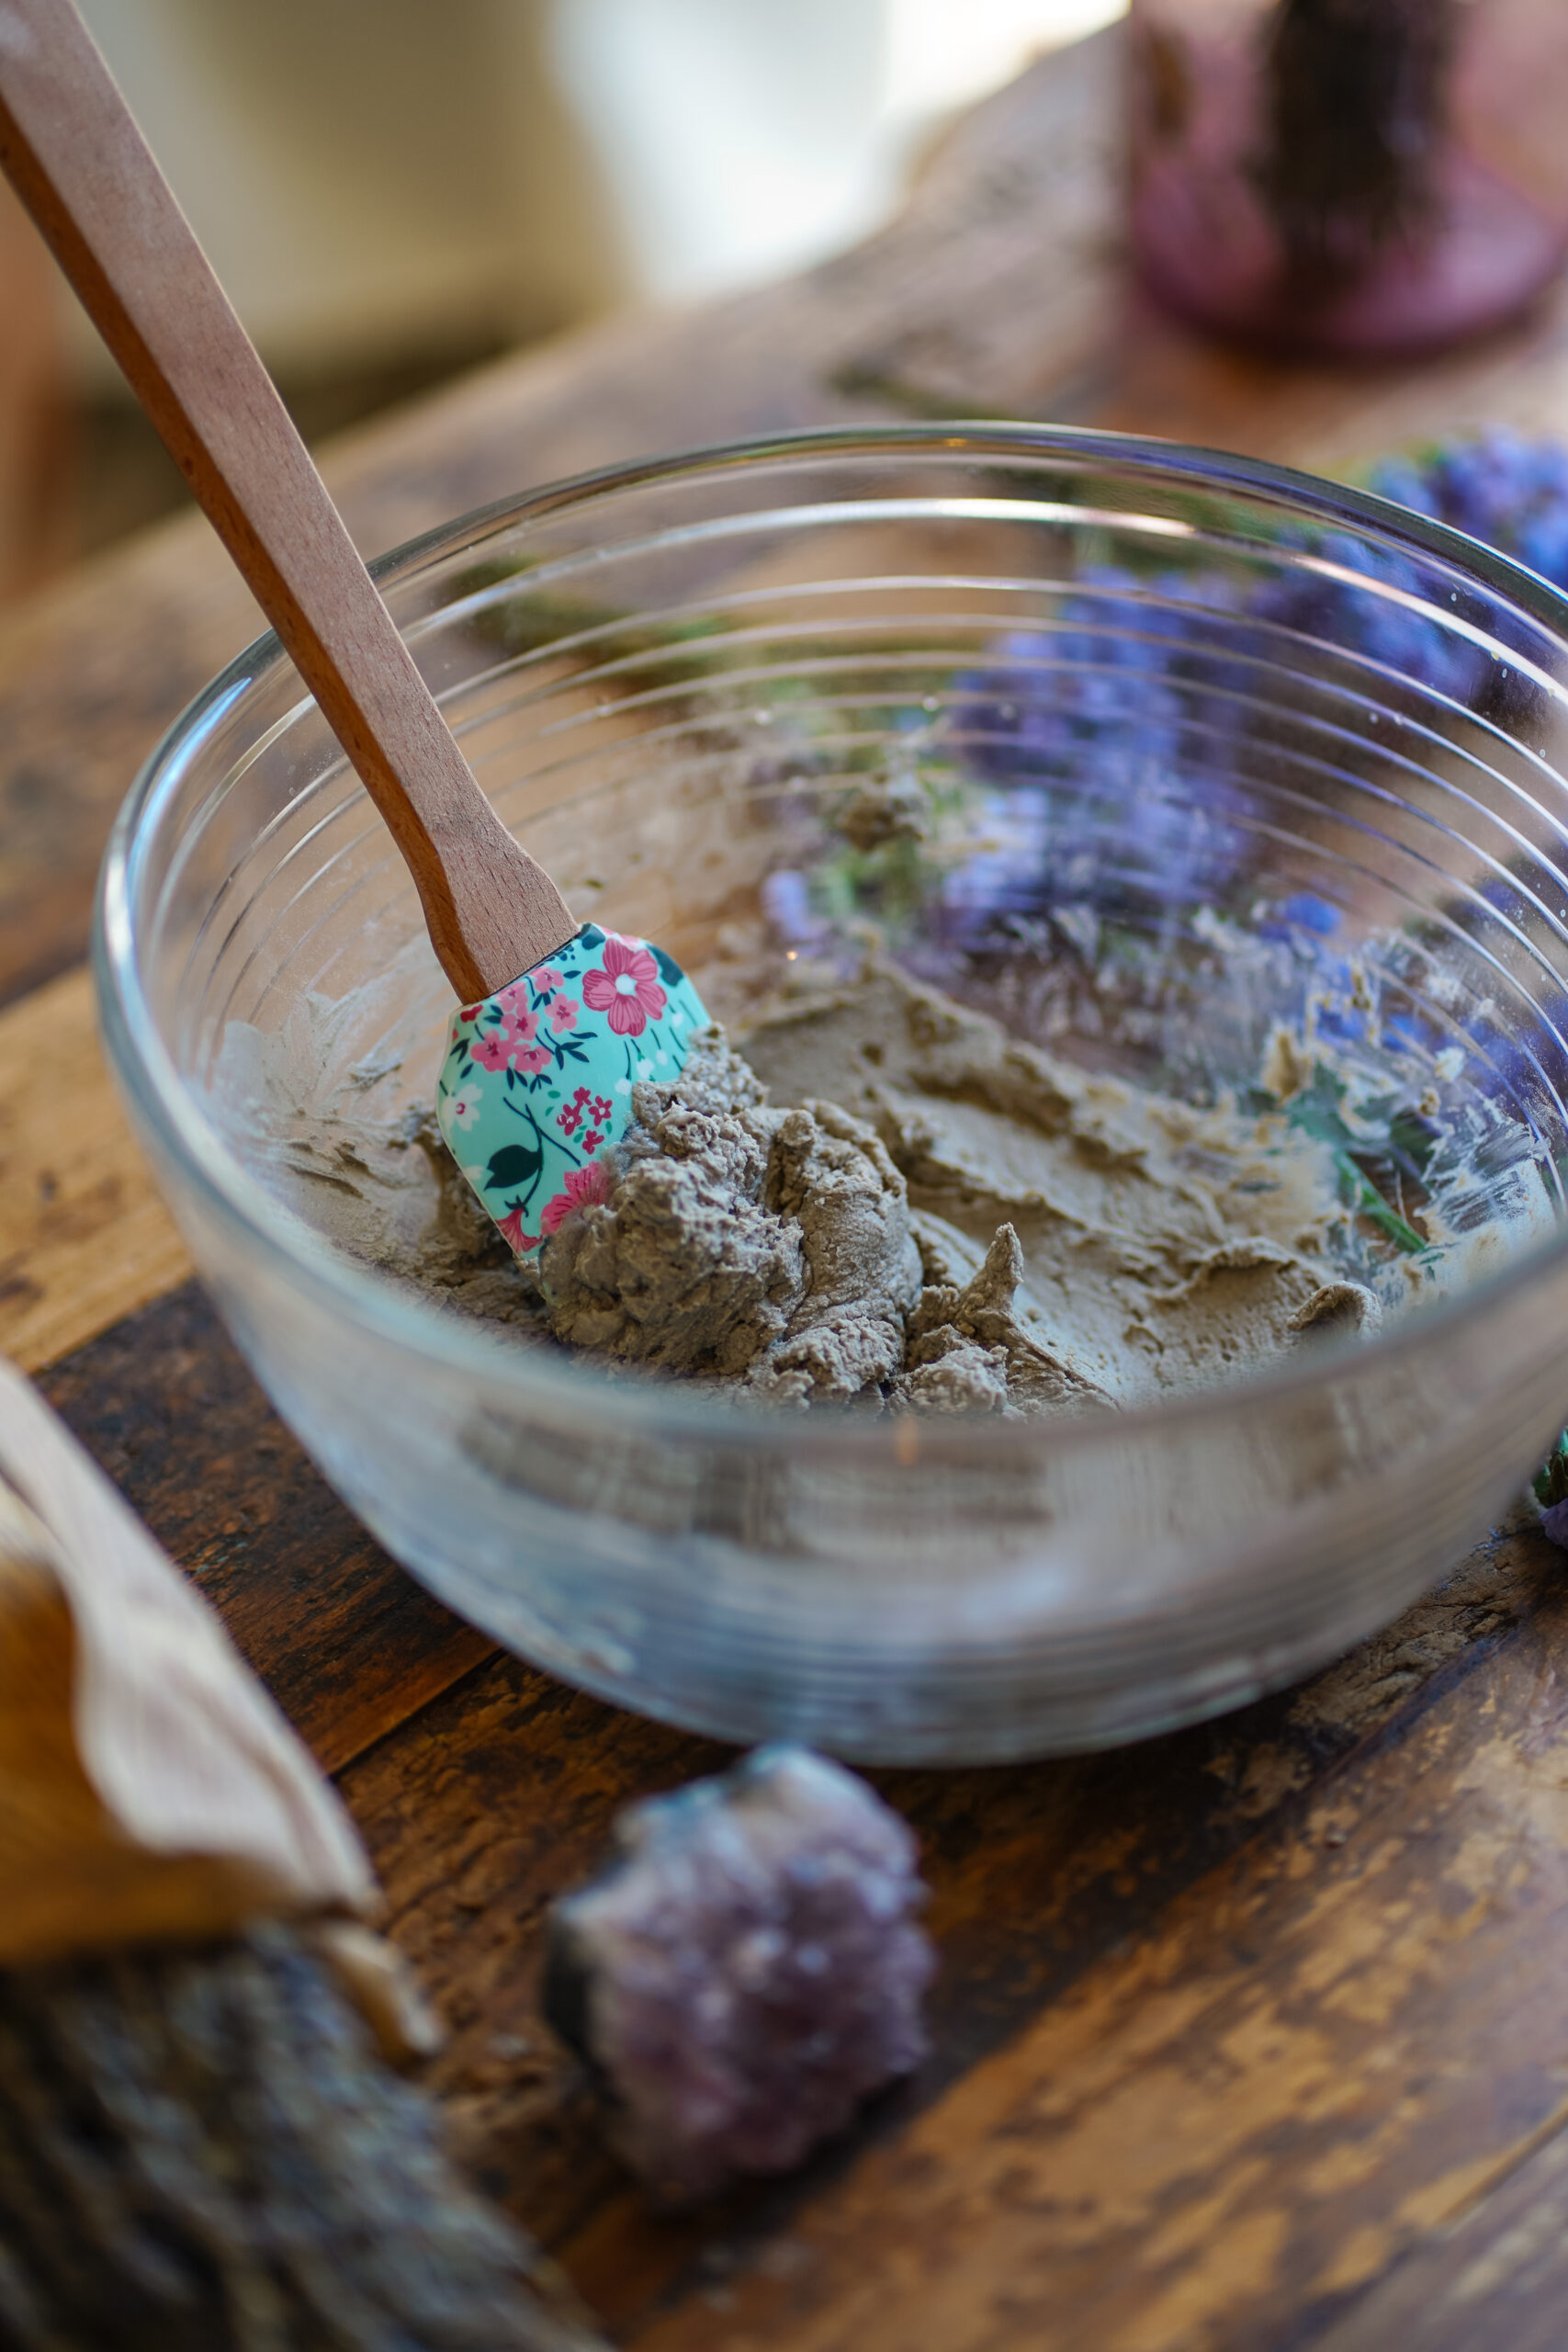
point(69, 145)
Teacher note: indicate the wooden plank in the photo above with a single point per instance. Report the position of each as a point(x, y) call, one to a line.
point(1175, 384)
point(349, 1645)
point(84, 1235)
point(90, 675)
point(501, 1795)
point(484, 1788)
point(1496, 2275)
point(1324, 2048)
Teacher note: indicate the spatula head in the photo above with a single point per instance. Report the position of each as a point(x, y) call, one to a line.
point(536, 1087)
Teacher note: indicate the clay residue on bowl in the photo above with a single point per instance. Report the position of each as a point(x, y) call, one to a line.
point(988, 1227)
point(871, 1195)
point(875, 1195)
point(346, 1141)
point(774, 1249)
point(1158, 1246)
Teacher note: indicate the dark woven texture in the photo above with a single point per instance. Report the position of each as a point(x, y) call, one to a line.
point(1356, 103)
point(201, 2152)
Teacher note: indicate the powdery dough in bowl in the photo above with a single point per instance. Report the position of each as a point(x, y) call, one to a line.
point(874, 1195)
point(917, 1209)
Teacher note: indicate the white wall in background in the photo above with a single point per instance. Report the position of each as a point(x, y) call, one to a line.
point(945, 53)
point(742, 138)
point(371, 174)
point(739, 137)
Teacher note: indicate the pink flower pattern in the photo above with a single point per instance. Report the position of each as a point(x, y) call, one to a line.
point(570, 1115)
point(495, 1051)
point(584, 1186)
point(626, 991)
point(511, 1231)
point(536, 1147)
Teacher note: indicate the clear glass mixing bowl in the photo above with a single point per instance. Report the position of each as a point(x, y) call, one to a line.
point(1209, 744)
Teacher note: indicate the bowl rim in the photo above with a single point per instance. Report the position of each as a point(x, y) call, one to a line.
point(157, 1096)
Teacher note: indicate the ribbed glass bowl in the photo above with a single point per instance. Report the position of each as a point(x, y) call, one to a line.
point(1215, 744)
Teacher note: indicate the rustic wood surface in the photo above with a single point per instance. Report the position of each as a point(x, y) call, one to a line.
point(1247, 2039)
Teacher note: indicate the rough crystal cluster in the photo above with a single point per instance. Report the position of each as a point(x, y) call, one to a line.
point(745, 1971)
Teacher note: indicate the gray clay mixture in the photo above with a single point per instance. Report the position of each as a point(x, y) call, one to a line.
point(876, 1194)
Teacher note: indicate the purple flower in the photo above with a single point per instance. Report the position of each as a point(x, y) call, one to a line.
point(1108, 736)
point(1502, 488)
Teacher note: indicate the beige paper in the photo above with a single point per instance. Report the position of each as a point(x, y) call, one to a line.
point(149, 1787)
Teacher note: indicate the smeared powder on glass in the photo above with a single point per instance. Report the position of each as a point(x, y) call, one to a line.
point(963, 1222)
point(875, 1194)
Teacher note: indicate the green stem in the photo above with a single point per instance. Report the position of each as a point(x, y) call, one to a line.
point(1370, 1203)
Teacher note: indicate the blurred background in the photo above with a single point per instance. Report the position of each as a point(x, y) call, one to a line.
point(394, 191)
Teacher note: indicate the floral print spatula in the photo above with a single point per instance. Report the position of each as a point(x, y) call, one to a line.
point(538, 1081)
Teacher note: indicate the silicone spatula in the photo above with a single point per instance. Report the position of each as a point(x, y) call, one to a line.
point(557, 1019)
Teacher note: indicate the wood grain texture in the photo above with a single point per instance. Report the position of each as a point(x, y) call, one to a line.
point(1044, 1877)
point(83, 1237)
point(36, 470)
point(483, 1789)
point(1335, 2042)
point(80, 164)
point(1495, 2274)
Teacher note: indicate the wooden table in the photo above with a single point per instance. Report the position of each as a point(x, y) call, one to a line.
point(1253, 2037)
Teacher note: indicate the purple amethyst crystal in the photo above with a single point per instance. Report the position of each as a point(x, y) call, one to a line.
point(745, 1971)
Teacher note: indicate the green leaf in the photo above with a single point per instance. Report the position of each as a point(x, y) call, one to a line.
point(1315, 1112)
point(1550, 1481)
point(515, 1163)
point(1360, 1193)
point(1407, 1141)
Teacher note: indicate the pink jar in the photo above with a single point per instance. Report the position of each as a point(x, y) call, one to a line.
point(1349, 176)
